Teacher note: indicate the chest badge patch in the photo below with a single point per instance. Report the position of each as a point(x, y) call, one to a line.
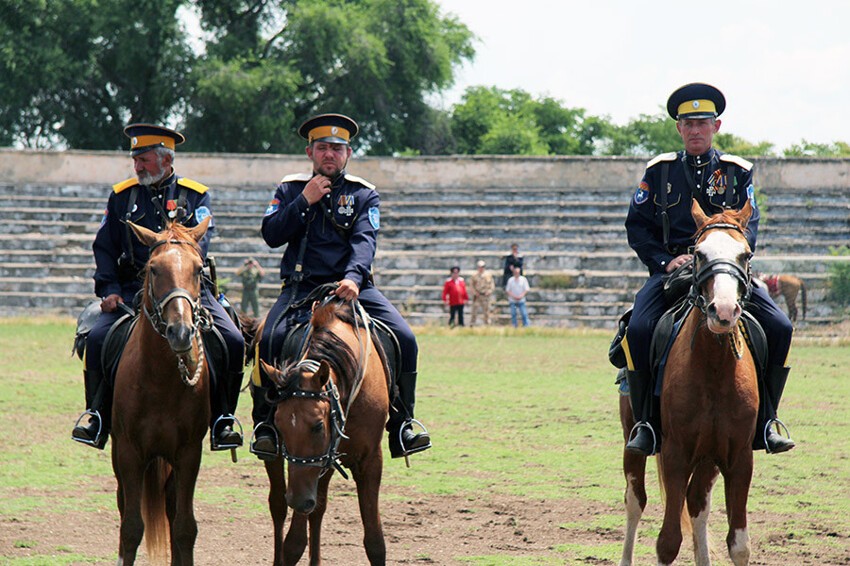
point(345, 205)
point(716, 183)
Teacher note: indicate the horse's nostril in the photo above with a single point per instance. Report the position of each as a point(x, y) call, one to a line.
point(711, 310)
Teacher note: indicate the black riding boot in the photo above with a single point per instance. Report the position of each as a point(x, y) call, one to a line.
point(224, 424)
point(403, 441)
point(265, 443)
point(644, 438)
point(99, 402)
point(767, 425)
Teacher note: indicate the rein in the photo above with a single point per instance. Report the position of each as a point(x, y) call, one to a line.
point(200, 318)
point(329, 394)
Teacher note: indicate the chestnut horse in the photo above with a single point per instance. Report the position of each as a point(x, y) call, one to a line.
point(709, 402)
point(161, 409)
point(331, 406)
point(788, 287)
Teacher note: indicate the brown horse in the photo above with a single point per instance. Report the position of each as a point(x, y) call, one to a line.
point(331, 406)
point(788, 287)
point(709, 403)
point(162, 402)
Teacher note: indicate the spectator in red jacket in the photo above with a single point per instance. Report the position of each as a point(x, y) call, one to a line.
point(455, 296)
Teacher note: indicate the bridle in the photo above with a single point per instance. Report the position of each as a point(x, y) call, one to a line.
point(200, 316)
point(706, 271)
point(330, 394)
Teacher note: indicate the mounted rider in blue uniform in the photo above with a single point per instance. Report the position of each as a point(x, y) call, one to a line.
point(661, 231)
point(329, 221)
point(155, 197)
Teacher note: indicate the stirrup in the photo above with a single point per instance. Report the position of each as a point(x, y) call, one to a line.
point(780, 428)
point(230, 445)
point(263, 454)
point(404, 451)
point(99, 440)
point(633, 434)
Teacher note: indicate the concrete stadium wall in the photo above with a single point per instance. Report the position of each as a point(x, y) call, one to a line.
point(593, 173)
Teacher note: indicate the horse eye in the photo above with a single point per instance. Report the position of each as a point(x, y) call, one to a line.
point(318, 428)
point(700, 257)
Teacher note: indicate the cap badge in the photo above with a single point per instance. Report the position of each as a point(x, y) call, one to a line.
point(696, 103)
point(334, 130)
point(134, 141)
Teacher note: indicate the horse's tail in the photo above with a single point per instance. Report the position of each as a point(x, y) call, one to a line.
point(153, 511)
point(803, 297)
point(684, 516)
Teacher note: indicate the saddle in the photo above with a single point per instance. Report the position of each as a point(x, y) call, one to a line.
point(676, 289)
point(384, 338)
point(119, 333)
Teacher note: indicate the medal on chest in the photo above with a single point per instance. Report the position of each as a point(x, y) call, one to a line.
point(345, 205)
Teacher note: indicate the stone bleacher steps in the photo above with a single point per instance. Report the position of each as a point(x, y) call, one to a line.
point(578, 235)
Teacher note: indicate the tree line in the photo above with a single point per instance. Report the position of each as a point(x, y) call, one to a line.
point(74, 72)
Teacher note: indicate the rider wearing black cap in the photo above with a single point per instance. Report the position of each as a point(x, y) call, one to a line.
point(661, 230)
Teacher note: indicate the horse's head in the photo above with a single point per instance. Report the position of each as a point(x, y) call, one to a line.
point(721, 265)
point(172, 288)
point(309, 419)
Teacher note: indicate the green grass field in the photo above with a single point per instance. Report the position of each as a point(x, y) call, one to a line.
point(546, 395)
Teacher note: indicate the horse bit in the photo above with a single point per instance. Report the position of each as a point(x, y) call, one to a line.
point(200, 318)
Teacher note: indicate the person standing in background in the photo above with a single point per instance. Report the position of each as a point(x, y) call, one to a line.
point(482, 293)
point(455, 296)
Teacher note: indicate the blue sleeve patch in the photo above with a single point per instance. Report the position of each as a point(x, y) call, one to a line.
point(642, 193)
point(375, 217)
point(751, 194)
point(202, 212)
point(272, 207)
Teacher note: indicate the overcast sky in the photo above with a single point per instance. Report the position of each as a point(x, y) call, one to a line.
point(784, 67)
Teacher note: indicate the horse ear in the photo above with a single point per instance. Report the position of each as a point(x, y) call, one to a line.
point(699, 216)
point(323, 374)
point(743, 216)
point(274, 374)
point(145, 236)
point(198, 231)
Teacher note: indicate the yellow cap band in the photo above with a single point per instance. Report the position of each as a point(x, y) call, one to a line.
point(327, 132)
point(145, 141)
point(697, 107)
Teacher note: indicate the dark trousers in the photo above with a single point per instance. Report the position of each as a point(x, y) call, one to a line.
point(456, 310)
point(650, 304)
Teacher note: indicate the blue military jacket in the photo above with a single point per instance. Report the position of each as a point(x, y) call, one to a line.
point(341, 229)
point(119, 256)
point(709, 175)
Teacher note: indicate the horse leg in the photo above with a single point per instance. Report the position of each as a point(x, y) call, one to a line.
point(184, 529)
point(737, 485)
point(634, 470)
point(316, 517)
point(676, 475)
point(699, 507)
point(791, 303)
point(296, 539)
point(131, 470)
point(277, 504)
point(368, 480)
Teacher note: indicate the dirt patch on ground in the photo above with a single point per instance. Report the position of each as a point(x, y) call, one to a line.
point(433, 529)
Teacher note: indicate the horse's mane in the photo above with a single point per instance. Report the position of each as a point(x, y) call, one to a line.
point(728, 216)
point(325, 345)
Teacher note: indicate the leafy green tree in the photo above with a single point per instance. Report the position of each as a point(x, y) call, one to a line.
point(74, 72)
point(645, 135)
point(730, 143)
point(492, 120)
point(375, 60)
point(810, 149)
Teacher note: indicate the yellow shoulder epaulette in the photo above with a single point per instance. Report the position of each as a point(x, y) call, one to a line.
point(118, 187)
point(296, 177)
point(355, 179)
point(194, 185)
point(663, 157)
point(739, 161)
